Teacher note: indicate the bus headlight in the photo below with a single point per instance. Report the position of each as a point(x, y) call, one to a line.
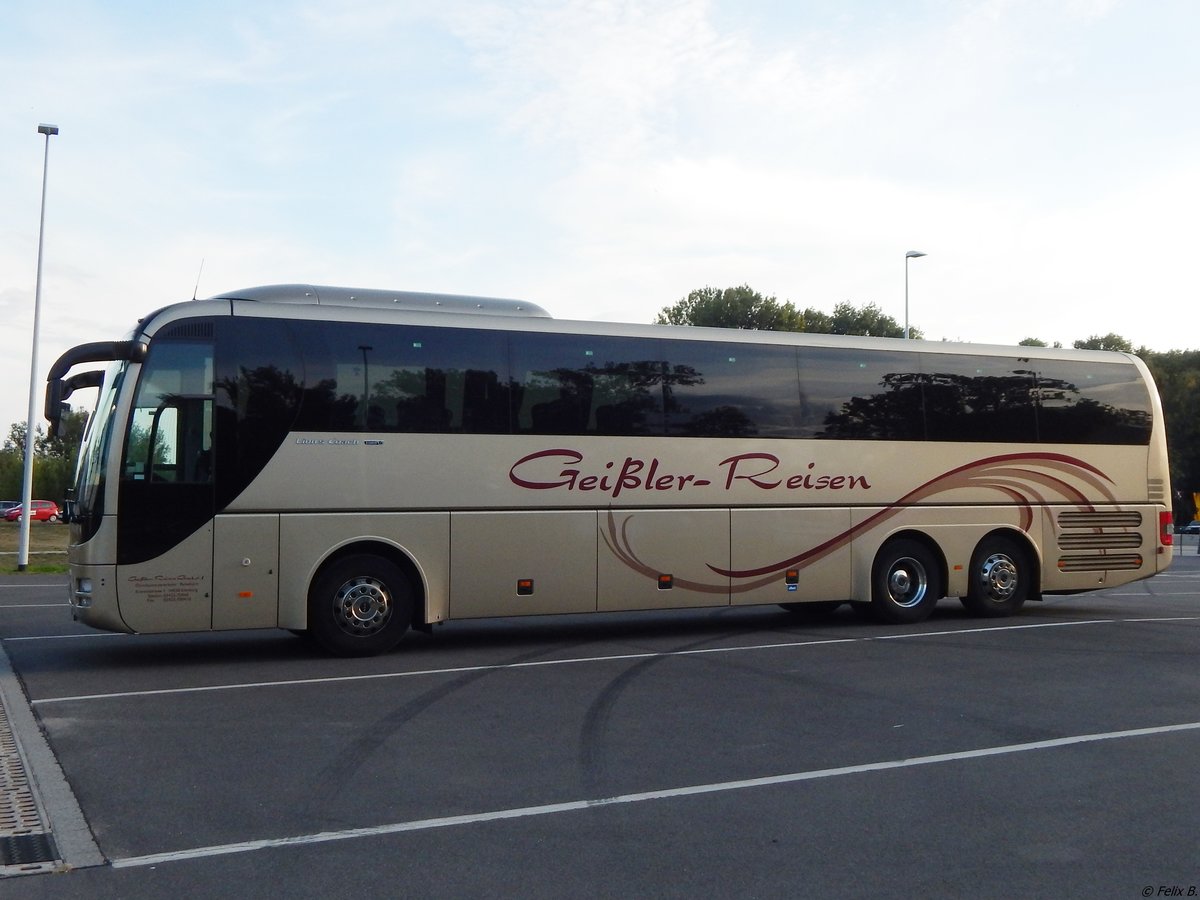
point(83, 593)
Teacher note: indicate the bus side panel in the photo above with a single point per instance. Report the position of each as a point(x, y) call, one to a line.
point(171, 592)
point(774, 538)
point(491, 552)
point(307, 540)
point(246, 571)
point(639, 546)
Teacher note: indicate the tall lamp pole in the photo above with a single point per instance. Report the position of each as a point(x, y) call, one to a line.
point(911, 254)
point(27, 482)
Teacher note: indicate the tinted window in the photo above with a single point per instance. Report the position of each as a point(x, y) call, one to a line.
point(166, 488)
point(170, 426)
point(373, 378)
point(1092, 403)
point(979, 398)
point(731, 390)
point(860, 395)
point(379, 378)
point(580, 384)
point(259, 389)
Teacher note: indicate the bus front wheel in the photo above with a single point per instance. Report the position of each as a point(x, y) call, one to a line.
point(360, 605)
point(905, 582)
point(1000, 577)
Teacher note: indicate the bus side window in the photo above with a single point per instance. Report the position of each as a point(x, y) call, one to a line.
point(425, 411)
point(732, 390)
point(485, 403)
point(979, 398)
point(575, 384)
point(566, 413)
point(1091, 403)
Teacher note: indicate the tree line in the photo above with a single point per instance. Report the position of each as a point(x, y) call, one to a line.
point(1176, 372)
point(53, 459)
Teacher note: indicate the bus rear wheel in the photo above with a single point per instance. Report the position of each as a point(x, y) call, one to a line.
point(360, 605)
point(1000, 578)
point(905, 582)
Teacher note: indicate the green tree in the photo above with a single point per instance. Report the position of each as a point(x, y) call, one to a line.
point(1177, 376)
point(11, 471)
point(744, 307)
point(53, 459)
point(1109, 341)
point(70, 433)
point(867, 320)
point(736, 307)
point(817, 322)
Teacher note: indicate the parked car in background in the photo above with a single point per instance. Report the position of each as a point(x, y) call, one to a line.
point(1192, 527)
point(43, 511)
point(6, 505)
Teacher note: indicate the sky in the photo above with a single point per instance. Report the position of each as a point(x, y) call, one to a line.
point(603, 158)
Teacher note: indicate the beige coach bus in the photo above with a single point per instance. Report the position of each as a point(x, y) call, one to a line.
point(355, 463)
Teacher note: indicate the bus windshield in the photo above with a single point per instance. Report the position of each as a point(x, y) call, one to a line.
point(97, 442)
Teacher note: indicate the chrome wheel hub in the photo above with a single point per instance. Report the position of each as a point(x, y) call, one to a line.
point(362, 606)
point(999, 577)
point(907, 582)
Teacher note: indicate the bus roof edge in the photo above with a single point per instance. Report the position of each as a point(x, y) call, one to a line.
point(325, 295)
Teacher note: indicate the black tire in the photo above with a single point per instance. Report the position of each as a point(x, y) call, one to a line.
point(906, 582)
point(817, 610)
point(1000, 578)
point(360, 605)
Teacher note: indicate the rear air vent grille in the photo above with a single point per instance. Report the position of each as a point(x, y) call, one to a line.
point(1100, 519)
point(1098, 540)
point(1112, 562)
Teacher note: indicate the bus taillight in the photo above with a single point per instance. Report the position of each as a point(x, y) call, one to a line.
point(1166, 528)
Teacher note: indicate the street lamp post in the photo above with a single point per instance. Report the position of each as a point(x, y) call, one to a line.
point(27, 481)
point(911, 254)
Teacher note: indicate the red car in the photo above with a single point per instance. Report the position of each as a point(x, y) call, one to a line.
point(43, 511)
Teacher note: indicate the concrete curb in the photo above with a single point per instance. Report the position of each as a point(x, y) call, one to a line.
point(55, 801)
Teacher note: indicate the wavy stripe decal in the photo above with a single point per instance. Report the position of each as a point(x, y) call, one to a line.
point(1028, 480)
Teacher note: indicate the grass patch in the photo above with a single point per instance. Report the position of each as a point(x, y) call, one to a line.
point(47, 548)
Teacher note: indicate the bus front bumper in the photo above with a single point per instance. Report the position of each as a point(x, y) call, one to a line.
point(93, 597)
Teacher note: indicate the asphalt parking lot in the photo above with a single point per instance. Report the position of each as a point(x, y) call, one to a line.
point(702, 754)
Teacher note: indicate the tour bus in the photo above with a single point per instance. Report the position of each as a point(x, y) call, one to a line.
point(355, 463)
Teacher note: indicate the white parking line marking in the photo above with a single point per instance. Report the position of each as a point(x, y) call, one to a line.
point(460, 670)
point(664, 794)
point(453, 670)
point(65, 637)
point(1157, 595)
point(985, 630)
